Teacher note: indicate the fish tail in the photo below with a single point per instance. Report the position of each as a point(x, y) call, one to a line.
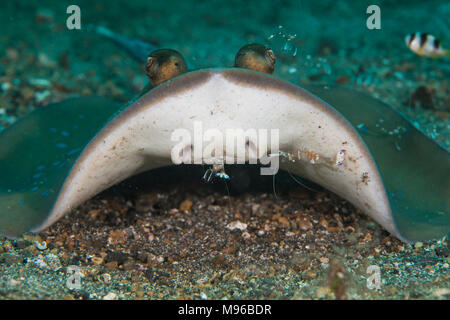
point(101, 31)
point(137, 48)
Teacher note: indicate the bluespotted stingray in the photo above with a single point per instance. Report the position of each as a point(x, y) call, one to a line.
point(61, 155)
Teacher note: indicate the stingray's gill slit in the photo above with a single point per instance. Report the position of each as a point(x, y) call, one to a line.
point(182, 154)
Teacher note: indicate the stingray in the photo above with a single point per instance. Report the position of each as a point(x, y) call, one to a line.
point(59, 156)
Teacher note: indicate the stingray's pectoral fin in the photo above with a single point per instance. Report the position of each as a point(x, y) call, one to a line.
point(21, 211)
point(36, 155)
point(415, 170)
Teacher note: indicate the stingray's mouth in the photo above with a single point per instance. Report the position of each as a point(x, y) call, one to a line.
point(230, 146)
point(250, 154)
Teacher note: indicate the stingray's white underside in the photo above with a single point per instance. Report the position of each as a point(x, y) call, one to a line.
point(307, 126)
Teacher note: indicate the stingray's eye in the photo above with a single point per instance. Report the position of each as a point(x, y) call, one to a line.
point(163, 65)
point(150, 66)
point(270, 55)
point(255, 57)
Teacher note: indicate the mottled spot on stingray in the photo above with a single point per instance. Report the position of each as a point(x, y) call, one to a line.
point(362, 127)
point(71, 152)
point(20, 203)
point(37, 175)
point(61, 145)
point(65, 133)
point(61, 165)
point(34, 188)
point(54, 130)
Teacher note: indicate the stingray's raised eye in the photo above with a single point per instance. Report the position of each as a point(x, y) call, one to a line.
point(160, 68)
point(255, 57)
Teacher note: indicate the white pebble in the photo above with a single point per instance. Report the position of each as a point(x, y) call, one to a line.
point(41, 245)
point(110, 296)
point(106, 277)
point(236, 225)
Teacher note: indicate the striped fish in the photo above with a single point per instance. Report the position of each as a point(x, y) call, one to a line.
point(426, 45)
